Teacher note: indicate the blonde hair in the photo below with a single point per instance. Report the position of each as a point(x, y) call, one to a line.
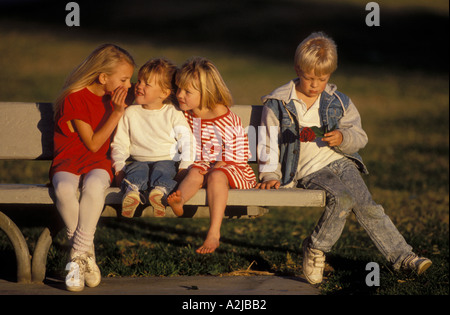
point(317, 53)
point(103, 59)
point(202, 75)
point(164, 71)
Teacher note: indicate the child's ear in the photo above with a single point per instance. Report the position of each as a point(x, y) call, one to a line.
point(165, 93)
point(297, 70)
point(102, 78)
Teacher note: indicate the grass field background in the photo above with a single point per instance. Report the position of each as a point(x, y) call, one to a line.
point(397, 75)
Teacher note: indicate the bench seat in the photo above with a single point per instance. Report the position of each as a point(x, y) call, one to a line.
point(256, 200)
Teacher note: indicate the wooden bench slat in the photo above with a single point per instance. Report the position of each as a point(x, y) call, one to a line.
point(41, 194)
point(26, 131)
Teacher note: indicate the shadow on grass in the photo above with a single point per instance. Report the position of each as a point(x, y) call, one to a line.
point(148, 230)
point(348, 277)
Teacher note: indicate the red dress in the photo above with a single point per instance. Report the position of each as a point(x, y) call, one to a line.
point(223, 139)
point(69, 152)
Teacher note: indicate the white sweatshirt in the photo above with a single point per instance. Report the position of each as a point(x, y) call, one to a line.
point(153, 135)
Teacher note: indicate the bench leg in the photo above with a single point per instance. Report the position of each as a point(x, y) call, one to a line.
point(39, 261)
point(21, 250)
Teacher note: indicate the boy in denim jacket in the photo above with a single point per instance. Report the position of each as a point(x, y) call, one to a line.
point(330, 162)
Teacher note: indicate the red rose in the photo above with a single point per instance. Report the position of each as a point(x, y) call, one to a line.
point(307, 135)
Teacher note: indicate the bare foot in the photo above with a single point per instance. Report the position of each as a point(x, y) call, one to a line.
point(176, 202)
point(209, 246)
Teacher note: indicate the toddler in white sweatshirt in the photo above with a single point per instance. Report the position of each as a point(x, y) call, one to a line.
point(157, 137)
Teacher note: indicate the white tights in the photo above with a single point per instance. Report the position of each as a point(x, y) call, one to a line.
point(81, 215)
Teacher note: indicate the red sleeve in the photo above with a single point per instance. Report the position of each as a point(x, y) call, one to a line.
point(74, 107)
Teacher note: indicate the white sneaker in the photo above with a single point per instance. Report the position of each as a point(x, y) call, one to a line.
point(313, 263)
point(416, 263)
point(92, 275)
point(155, 198)
point(75, 276)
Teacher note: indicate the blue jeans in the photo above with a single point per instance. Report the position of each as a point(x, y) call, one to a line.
point(148, 175)
point(347, 192)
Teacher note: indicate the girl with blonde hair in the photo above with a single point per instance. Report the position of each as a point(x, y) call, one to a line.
point(87, 111)
point(222, 145)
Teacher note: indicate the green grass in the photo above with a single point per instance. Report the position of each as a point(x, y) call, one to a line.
point(404, 111)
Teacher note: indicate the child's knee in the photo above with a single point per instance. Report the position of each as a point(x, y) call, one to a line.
point(95, 185)
point(165, 167)
point(64, 190)
point(195, 176)
point(217, 177)
point(375, 211)
point(195, 172)
point(345, 202)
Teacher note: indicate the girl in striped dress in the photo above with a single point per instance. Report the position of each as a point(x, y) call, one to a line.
point(222, 149)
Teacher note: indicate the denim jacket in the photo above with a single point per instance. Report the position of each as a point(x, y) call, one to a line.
point(336, 111)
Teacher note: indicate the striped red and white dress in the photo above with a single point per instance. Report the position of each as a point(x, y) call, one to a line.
point(223, 139)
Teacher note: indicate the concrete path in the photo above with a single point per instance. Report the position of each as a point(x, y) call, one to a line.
point(183, 285)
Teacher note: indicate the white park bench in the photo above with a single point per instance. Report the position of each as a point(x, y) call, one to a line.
point(26, 133)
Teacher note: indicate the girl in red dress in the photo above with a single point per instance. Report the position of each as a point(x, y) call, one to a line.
point(222, 145)
point(86, 113)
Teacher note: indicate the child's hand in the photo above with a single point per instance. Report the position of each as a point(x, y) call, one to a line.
point(120, 175)
point(333, 138)
point(219, 164)
point(216, 165)
point(118, 99)
point(271, 184)
point(130, 94)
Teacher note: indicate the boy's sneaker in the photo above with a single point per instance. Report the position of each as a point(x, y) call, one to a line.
point(75, 276)
point(92, 275)
point(131, 200)
point(313, 263)
point(155, 197)
point(416, 263)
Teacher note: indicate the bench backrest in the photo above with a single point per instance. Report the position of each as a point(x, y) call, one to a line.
point(26, 129)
